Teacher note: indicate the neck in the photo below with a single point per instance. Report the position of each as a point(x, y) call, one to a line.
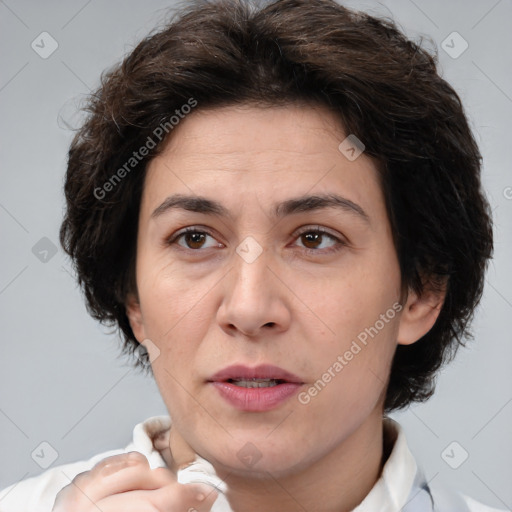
point(337, 482)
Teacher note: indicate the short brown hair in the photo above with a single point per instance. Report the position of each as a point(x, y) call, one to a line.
point(385, 89)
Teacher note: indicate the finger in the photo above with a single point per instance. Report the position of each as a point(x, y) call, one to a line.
point(118, 474)
point(205, 495)
point(115, 462)
point(172, 498)
point(193, 497)
point(131, 473)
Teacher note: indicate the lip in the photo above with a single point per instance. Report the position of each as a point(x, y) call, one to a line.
point(263, 371)
point(255, 399)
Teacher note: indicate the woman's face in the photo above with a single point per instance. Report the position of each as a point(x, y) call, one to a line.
point(255, 283)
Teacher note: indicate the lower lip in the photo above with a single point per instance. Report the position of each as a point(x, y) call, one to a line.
point(256, 399)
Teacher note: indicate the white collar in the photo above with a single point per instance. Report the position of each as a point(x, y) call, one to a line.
point(392, 490)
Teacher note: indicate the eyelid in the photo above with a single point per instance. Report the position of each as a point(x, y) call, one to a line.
point(201, 229)
point(340, 240)
point(173, 239)
point(321, 229)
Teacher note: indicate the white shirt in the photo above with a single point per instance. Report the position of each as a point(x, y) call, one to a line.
point(400, 488)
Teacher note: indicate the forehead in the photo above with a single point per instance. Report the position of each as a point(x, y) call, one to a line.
point(246, 127)
point(271, 152)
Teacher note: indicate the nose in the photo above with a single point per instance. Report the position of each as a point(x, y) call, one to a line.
point(255, 297)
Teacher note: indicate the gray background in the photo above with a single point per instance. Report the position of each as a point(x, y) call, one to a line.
point(61, 380)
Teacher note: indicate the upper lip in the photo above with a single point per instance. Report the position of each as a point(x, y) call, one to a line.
point(263, 371)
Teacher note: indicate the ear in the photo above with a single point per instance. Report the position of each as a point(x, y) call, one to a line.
point(420, 314)
point(134, 314)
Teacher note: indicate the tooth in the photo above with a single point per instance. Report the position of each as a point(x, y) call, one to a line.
point(254, 383)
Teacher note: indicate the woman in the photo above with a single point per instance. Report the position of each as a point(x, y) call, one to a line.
point(280, 207)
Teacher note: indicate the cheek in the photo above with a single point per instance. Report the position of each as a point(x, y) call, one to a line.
point(172, 310)
point(351, 380)
point(343, 306)
point(358, 326)
point(166, 293)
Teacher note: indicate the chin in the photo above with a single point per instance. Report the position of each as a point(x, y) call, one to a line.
point(257, 460)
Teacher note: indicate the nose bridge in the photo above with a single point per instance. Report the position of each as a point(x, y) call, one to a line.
point(251, 298)
point(250, 266)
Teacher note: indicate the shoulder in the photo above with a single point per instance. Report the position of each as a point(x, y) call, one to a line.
point(447, 499)
point(417, 493)
point(476, 506)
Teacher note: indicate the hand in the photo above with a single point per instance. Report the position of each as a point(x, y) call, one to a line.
point(126, 483)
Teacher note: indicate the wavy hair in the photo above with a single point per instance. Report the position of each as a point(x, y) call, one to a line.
point(385, 89)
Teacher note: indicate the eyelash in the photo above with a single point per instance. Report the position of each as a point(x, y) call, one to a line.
point(340, 243)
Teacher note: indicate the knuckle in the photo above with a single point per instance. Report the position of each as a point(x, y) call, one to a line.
point(80, 480)
point(118, 462)
point(65, 498)
point(136, 457)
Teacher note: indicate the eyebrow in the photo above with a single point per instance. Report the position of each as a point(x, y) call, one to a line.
point(199, 204)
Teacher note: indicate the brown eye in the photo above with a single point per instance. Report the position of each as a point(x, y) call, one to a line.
point(193, 239)
point(312, 240)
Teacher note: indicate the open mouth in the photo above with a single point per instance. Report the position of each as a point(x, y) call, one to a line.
point(256, 383)
point(255, 389)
